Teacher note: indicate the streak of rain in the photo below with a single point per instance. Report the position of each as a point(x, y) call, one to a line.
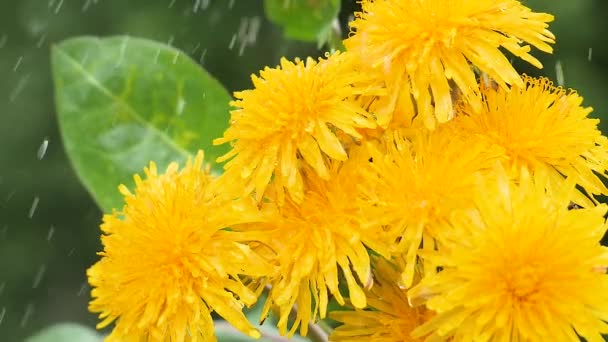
point(50, 234)
point(39, 276)
point(29, 311)
point(247, 34)
point(18, 63)
point(21, 83)
point(123, 49)
point(2, 314)
point(590, 54)
point(156, 56)
point(181, 104)
point(83, 288)
point(41, 41)
point(200, 4)
point(559, 73)
point(3, 40)
point(10, 195)
point(58, 8)
point(34, 207)
point(42, 149)
point(201, 60)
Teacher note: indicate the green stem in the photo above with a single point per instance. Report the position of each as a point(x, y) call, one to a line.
point(316, 333)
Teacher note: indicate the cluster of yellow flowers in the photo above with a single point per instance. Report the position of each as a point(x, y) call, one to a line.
point(416, 179)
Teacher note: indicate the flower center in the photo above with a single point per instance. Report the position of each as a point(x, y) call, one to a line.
point(523, 282)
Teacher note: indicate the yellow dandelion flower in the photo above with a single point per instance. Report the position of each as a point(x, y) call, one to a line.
point(390, 318)
point(520, 267)
point(292, 115)
point(415, 179)
point(168, 261)
point(315, 242)
point(426, 47)
point(544, 129)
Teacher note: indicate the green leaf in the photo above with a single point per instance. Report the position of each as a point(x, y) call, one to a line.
point(307, 20)
point(124, 101)
point(66, 332)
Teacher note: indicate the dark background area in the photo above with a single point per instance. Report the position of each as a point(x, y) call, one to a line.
point(48, 222)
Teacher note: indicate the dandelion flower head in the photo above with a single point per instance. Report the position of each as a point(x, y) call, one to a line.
point(291, 117)
point(160, 275)
point(520, 267)
point(415, 179)
point(389, 317)
point(426, 47)
point(543, 128)
point(316, 242)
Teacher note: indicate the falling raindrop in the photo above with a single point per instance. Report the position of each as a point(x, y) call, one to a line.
point(590, 54)
point(3, 40)
point(29, 310)
point(230, 4)
point(156, 56)
point(232, 41)
point(123, 49)
point(2, 313)
point(181, 104)
point(34, 207)
point(19, 87)
point(171, 3)
point(41, 41)
point(42, 148)
point(10, 195)
point(39, 275)
point(50, 234)
point(559, 73)
point(201, 60)
point(18, 63)
point(58, 8)
point(196, 47)
point(83, 288)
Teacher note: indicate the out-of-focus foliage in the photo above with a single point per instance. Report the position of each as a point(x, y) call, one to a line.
point(49, 223)
point(307, 20)
point(119, 109)
point(66, 332)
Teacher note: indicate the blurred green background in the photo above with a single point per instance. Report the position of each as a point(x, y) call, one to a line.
point(49, 223)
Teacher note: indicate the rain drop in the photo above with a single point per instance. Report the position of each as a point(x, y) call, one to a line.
point(83, 288)
point(2, 313)
point(18, 63)
point(181, 104)
point(50, 234)
point(34, 207)
point(39, 275)
point(58, 8)
point(29, 310)
point(41, 41)
point(42, 148)
point(559, 73)
point(590, 54)
point(19, 87)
